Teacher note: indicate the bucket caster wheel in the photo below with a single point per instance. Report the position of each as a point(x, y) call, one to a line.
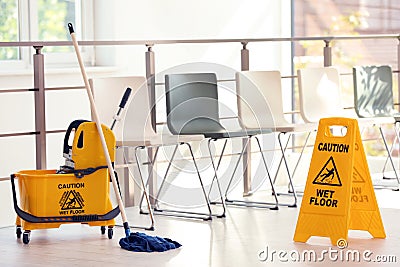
point(18, 231)
point(103, 230)
point(26, 237)
point(110, 233)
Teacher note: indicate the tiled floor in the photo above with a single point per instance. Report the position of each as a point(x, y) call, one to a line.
point(244, 238)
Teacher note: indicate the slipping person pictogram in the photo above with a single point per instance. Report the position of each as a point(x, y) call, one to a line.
point(328, 175)
point(73, 200)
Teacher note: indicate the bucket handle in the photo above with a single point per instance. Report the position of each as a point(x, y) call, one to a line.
point(59, 219)
point(73, 125)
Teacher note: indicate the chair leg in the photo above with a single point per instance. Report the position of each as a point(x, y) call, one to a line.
point(143, 187)
point(248, 203)
point(297, 163)
point(215, 177)
point(268, 174)
point(390, 158)
point(181, 213)
point(165, 177)
point(288, 173)
point(396, 129)
point(236, 166)
point(301, 155)
point(163, 181)
point(219, 163)
point(280, 161)
point(148, 179)
point(202, 185)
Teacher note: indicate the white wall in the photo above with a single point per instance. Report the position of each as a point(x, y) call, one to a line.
point(180, 19)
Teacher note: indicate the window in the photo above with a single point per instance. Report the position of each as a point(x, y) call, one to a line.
point(9, 28)
point(42, 20)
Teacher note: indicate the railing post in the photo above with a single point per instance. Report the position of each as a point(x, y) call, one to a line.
point(150, 75)
point(398, 74)
point(40, 115)
point(151, 85)
point(246, 161)
point(327, 54)
point(245, 57)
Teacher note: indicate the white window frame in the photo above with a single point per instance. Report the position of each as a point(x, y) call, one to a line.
point(28, 31)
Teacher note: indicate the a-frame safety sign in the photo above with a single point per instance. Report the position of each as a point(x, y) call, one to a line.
point(339, 195)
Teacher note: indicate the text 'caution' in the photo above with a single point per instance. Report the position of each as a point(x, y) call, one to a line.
point(331, 147)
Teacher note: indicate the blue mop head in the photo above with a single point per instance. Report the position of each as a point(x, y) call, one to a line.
point(140, 242)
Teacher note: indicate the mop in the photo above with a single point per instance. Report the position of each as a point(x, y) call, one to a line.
point(131, 241)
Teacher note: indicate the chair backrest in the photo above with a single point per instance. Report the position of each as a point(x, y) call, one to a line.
point(319, 90)
point(260, 101)
point(108, 92)
point(373, 95)
point(192, 103)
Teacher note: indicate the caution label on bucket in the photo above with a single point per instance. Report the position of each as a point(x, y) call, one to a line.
point(338, 195)
point(71, 185)
point(71, 203)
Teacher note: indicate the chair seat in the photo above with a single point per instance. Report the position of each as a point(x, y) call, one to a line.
point(301, 127)
point(396, 117)
point(160, 140)
point(214, 130)
point(376, 120)
point(223, 133)
point(387, 118)
point(132, 143)
point(235, 133)
point(169, 139)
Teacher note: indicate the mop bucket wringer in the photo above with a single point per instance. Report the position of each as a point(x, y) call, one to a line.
point(77, 193)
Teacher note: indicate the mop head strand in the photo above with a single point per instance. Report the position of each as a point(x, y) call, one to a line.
point(140, 242)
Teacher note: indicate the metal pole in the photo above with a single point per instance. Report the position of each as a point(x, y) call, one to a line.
point(245, 57)
point(151, 81)
point(398, 78)
point(245, 62)
point(327, 54)
point(398, 84)
point(151, 85)
point(40, 115)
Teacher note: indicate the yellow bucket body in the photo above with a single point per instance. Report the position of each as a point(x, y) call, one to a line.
point(44, 193)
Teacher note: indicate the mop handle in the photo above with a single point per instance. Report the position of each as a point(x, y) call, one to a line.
point(100, 131)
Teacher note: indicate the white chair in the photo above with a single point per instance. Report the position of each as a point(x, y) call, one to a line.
point(136, 130)
point(319, 90)
point(260, 105)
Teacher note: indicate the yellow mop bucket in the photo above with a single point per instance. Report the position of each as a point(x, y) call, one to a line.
point(77, 194)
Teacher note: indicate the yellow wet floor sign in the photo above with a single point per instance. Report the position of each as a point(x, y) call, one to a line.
point(339, 195)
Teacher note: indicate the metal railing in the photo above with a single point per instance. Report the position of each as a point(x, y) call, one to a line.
point(150, 61)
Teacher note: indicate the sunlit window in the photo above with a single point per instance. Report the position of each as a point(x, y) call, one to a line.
point(9, 28)
point(41, 20)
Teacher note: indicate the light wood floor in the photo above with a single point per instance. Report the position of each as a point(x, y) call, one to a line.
point(234, 241)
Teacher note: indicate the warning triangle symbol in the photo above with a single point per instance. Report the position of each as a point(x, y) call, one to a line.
point(357, 178)
point(328, 175)
point(72, 201)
